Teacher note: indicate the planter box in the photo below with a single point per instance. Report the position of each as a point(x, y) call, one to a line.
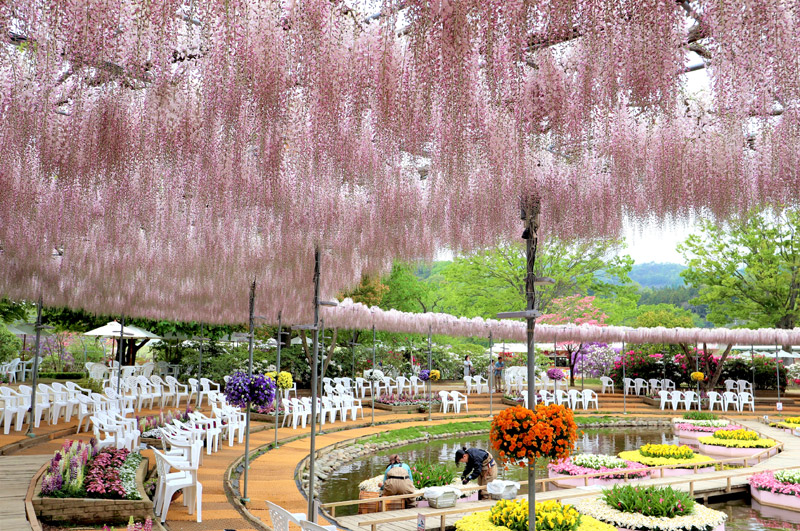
point(673, 472)
point(691, 435)
point(723, 452)
point(720, 527)
point(774, 499)
point(403, 409)
point(567, 481)
point(263, 417)
point(510, 402)
point(94, 511)
point(152, 441)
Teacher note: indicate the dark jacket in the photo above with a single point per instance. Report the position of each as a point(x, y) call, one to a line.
point(474, 463)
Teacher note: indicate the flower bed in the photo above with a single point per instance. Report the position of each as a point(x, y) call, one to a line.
point(405, 402)
point(107, 487)
point(685, 430)
point(735, 443)
point(651, 508)
point(149, 426)
point(512, 515)
point(614, 468)
point(684, 460)
point(777, 489)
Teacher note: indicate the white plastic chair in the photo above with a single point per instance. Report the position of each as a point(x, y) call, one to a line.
point(575, 399)
point(353, 405)
point(468, 384)
point(208, 426)
point(207, 386)
point(184, 479)
point(690, 399)
point(195, 389)
point(9, 408)
point(298, 411)
point(305, 525)
point(562, 398)
point(744, 386)
point(730, 398)
point(481, 384)
point(147, 391)
point(11, 369)
point(85, 409)
point(447, 401)
point(608, 383)
point(178, 389)
point(676, 398)
point(64, 394)
point(403, 384)
point(746, 399)
point(42, 402)
point(590, 397)
point(628, 385)
point(714, 399)
point(731, 385)
point(547, 397)
point(641, 385)
point(459, 399)
point(654, 384)
point(417, 385)
point(281, 517)
point(665, 397)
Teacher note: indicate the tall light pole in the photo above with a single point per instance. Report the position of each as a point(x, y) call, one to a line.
point(372, 383)
point(38, 326)
point(430, 366)
point(277, 374)
point(491, 374)
point(251, 333)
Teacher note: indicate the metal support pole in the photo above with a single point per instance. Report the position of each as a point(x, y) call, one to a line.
point(353, 352)
point(697, 369)
point(371, 383)
point(753, 365)
point(249, 375)
point(119, 353)
point(314, 362)
point(530, 214)
point(430, 366)
point(491, 375)
point(278, 373)
point(35, 366)
point(777, 373)
point(321, 352)
point(200, 360)
point(624, 387)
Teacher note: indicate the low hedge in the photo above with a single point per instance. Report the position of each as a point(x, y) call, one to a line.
point(62, 375)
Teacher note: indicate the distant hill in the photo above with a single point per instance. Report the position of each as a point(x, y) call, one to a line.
point(657, 275)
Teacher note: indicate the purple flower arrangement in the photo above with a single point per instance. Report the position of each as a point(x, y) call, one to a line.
point(555, 374)
point(241, 389)
point(424, 375)
point(65, 476)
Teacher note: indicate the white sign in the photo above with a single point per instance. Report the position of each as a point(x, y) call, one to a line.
point(420, 522)
point(779, 406)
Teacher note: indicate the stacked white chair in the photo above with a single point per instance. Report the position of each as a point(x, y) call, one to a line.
point(447, 401)
point(481, 384)
point(184, 478)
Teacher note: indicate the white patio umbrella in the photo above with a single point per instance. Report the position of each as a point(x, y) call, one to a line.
point(120, 331)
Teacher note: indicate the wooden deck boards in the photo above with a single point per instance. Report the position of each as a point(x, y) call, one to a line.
point(16, 473)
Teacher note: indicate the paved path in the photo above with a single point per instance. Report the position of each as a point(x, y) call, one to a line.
point(17, 472)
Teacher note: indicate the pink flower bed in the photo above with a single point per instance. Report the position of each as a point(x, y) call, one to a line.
point(709, 429)
point(103, 479)
point(566, 467)
point(766, 481)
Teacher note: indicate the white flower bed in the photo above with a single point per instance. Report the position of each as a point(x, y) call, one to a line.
point(701, 519)
point(598, 461)
point(704, 423)
point(127, 474)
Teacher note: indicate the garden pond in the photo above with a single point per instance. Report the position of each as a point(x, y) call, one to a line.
point(342, 484)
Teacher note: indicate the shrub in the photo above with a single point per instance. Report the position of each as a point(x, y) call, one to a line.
point(10, 345)
point(699, 415)
point(432, 475)
point(62, 375)
point(649, 501)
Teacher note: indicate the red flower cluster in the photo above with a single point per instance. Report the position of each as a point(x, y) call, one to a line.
point(521, 435)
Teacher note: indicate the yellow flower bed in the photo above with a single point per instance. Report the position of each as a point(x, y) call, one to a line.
point(733, 443)
point(736, 435)
point(788, 425)
point(482, 521)
point(699, 460)
point(668, 451)
point(792, 420)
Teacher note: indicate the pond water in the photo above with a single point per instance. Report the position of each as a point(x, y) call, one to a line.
point(343, 482)
point(744, 517)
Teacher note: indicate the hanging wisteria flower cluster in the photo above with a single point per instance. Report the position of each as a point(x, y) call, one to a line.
point(256, 390)
point(155, 154)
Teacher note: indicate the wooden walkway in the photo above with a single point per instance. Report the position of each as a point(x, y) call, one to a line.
point(17, 474)
point(717, 484)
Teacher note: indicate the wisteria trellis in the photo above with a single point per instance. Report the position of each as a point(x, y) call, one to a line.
point(157, 156)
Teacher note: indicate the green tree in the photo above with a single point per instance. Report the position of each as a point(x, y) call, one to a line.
point(408, 293)
point(492, 281)
point(10, 345)
point(13, 310)
point(748, 272)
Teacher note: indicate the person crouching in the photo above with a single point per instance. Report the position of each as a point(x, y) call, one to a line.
point(398, 480)
point(479, 464)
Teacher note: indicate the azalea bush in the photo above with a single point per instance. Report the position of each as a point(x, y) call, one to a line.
point(432, 475)
point(649, 501)
point(521, 435)
point(668, 451)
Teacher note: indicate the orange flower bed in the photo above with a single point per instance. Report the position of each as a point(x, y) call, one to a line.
point(521, 435)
